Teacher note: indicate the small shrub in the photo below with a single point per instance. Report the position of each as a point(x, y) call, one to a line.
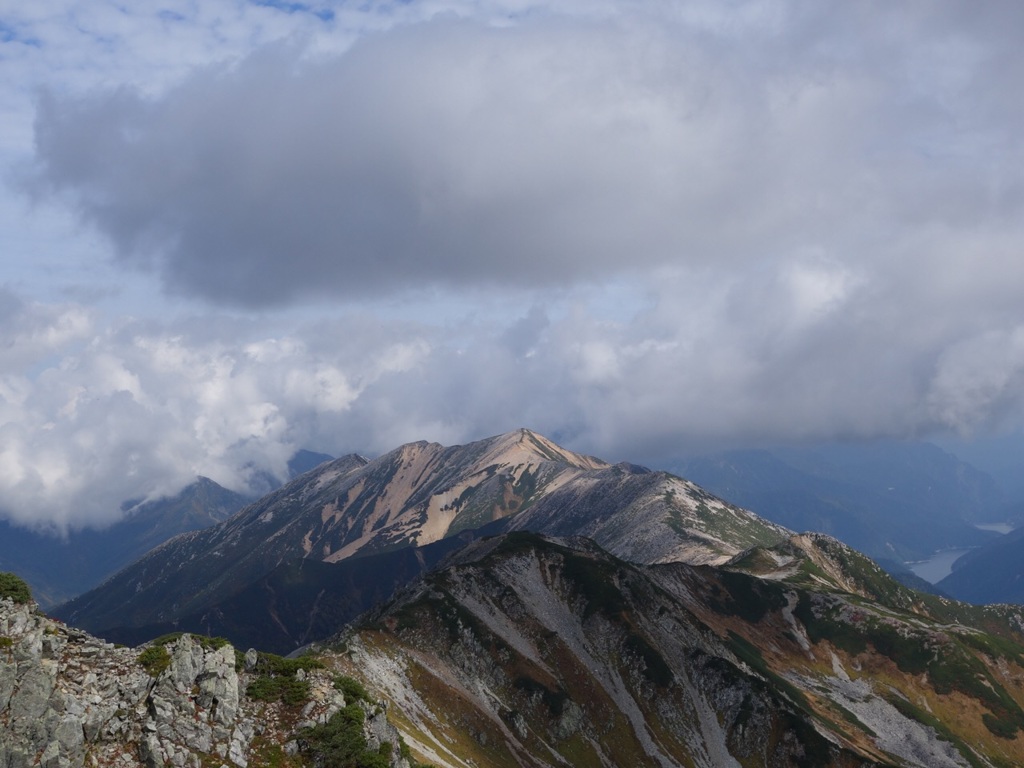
point(155, 659)
point(656, 669)
point(554, 700)
point(272, 664)
point(294, 692)
point(211, 643)
point(204, 641)
point(276, 679)
point(352, 689)
point(1000, 727)
point(167, 639)
point(595, 580)
point(341, 743)
point(287, 690)
point(750, 598)
point(15, 588)
point(264, 688)
point(268, 754)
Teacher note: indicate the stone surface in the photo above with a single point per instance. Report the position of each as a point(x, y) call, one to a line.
point(69, 700)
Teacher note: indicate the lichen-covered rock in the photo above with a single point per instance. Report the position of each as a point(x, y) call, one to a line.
point(70, 700)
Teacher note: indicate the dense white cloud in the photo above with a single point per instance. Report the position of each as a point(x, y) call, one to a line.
point(978, 381)
point(547, 151)
point(141, 409)
point(639, 228)
point(134, 412)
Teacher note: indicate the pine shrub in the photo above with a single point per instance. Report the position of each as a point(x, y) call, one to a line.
point(15, 588)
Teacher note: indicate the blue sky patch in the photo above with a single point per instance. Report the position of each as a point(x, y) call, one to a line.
point(9, 34)
point(324, 14)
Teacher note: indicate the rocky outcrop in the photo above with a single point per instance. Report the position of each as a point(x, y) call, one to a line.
point(69, 700)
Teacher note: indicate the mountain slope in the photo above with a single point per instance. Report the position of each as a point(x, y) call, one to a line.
point(535, 653)
point(418, 494)
point(647, 517)
point(302, 600)
point(176, 575)
point(526, 651)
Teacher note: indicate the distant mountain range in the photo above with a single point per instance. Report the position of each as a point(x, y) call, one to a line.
point(993, 573)
point(895, 501)
point(60, 568)
point(265, 575)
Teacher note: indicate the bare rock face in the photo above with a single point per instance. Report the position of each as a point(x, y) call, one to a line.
point(61, 690)
point(69, 700)
point(194, 707)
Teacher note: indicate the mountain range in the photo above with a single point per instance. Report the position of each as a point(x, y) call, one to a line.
point(512, 603)
point(58, 567)
point(895, 501)
point(526, 650)
point(417, 495)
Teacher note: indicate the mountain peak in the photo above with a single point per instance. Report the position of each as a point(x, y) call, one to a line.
point(526, 446)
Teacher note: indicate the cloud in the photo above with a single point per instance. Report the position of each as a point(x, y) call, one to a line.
point(137, 411)
point(32, 331)
point(139, 408)
point(977, 381)
point(458, 153)
point(556, 150)
point(639, 230)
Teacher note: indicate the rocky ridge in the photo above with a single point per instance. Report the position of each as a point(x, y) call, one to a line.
point(69, 700)
point(533, 652)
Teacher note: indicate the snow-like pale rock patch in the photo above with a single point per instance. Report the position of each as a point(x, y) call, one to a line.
point(911, 741)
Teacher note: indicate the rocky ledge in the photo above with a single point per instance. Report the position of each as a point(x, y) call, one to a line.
point(69, 700)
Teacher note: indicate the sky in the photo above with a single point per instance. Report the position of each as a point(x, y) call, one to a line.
point(234, 229)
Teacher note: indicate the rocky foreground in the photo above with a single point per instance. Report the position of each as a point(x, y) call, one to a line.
point(68, 699)
point(524, 650)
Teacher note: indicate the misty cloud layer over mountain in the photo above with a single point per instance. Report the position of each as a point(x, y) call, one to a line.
point(630, 228)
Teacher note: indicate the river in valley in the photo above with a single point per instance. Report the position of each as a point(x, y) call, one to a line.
point(940, 565)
